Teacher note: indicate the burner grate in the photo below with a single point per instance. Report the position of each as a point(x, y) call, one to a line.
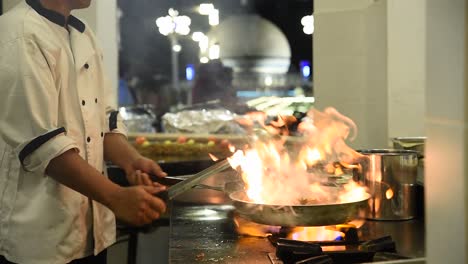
point(303, 252)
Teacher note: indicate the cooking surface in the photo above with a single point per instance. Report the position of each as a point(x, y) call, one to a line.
point(203, 230)
point(207, 233)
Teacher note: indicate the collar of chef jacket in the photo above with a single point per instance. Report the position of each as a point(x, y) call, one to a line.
point(56, 17)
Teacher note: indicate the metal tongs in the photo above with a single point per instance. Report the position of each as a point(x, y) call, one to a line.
point(179, 185)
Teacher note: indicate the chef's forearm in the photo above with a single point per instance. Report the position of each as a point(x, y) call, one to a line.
point(74, 172)
point(118, 151)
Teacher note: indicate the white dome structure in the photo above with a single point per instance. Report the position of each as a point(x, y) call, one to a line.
point(251, 44)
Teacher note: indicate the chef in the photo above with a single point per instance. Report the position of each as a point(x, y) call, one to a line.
point(57, 129)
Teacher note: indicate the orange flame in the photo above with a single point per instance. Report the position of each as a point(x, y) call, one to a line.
point(213, 157)
point(252, 119)
point(248, 228)
point(357, 223)
point(312, 156)
point(389, 194)
point(232, 148)
point(274, 174)
point(315, 233)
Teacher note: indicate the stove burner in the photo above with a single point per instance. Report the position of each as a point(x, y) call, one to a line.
point(350, 236)
point(303, 252)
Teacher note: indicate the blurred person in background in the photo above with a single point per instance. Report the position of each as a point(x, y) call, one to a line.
point(126, 94)
point(213, 81)
point(57, 129)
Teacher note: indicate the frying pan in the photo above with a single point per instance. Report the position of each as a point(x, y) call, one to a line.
point(281, 215)
point(298, 215)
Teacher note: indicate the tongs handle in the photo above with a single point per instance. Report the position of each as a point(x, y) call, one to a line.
point(163, 195)
point(168, 180)
point(187, 184)
point(180, 184)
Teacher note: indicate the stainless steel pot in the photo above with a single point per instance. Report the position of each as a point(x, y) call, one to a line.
point(390, 175)
point(413, 143)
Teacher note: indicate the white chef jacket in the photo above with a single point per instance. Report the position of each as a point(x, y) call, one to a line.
point(53, 98)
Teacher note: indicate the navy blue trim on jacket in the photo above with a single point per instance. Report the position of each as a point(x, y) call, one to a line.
point(38, 142)
point(56, 17)
point(113, 120)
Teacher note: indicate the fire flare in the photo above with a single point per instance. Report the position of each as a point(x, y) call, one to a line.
point(282, 170)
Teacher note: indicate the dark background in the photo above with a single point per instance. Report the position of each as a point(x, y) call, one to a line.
point(145, 53)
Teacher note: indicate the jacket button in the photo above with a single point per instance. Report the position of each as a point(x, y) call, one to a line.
point(88, 139)
point(95, 100)
point(86, 66)
point(83, 102)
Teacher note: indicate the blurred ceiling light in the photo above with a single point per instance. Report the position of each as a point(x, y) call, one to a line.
point(214, 52)
point(177, 48)
point(189, 72)
point(203, 44)
point(306, 71)
point(182, 30)
point(182, 24)
point(165, 25)
point(173, 13)
point(205, 8)
point(304, 65)
point(308, 23)
point(173, 23)
point(198, 36)
point(213, 17)
point(204, 60)
point(307, 20)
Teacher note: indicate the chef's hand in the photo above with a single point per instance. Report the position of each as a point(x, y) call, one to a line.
point(139, 170)
point(137, 205)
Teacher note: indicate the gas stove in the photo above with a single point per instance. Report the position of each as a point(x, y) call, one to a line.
point(211, 234)
point(333, 244)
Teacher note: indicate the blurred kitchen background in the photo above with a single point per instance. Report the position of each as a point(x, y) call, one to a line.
point(396, 67)
point(197, 55)
point(226, 50)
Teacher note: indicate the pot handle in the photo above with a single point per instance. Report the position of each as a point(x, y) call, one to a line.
point(420, 156)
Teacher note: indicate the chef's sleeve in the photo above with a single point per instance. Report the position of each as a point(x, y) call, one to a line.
point(29, 105)
point(115, 122)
